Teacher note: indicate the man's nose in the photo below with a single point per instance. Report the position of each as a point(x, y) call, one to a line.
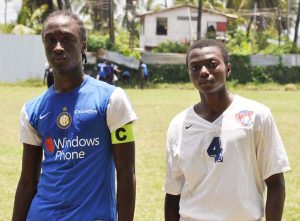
point(58, 47)
point(204, 72)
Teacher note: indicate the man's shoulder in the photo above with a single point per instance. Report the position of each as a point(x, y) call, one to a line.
point(100, 85)
point(39, 99)
point(252, 104)
point(33, 106)
point(180, 117)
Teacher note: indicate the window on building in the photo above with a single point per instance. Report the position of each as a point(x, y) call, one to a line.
point(222, 26)
point(218, 26)
point(161, 26)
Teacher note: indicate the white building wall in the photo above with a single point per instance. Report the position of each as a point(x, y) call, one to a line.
point(21, 57)
point(178, 30)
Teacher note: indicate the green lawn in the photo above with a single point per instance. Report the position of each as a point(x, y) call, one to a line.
point(155, 108)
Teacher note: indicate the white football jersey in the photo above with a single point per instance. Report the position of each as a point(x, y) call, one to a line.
point(219, 167)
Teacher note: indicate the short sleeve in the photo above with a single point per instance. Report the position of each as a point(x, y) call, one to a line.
point(174, 177)
point(272, 157)
point(28, 134)
point(119, 110)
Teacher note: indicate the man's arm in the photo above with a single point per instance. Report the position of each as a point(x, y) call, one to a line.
point(124, 156)
point(275, 197)
point(172, 207)
point(31, 167)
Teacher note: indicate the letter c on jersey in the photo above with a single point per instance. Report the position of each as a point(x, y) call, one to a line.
point(119, 136)
point(123, 134)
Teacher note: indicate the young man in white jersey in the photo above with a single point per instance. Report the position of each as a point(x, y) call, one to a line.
point(74, 137)
point(223, 151)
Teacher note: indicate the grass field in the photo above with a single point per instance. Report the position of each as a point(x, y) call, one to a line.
point(155, 108)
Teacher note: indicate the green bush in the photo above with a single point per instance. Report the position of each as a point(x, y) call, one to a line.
point(171, 47)
point(240, 65)
point(95, 41)
point(242, 72)
point(6, 29)
point(168, 73)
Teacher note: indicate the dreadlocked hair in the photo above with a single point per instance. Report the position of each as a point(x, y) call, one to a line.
point(71, 15)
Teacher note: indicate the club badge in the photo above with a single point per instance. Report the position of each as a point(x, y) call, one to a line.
point(244, 117)
point(64, 119)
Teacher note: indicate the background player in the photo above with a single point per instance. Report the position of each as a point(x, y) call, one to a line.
point(48, 75)
point(83, 128)
point(223, 151)
point(144, 75)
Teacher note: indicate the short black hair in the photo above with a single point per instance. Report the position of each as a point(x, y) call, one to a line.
point(69, 14)
point(209, 43)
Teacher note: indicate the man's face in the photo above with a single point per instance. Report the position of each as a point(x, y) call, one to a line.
point(63, 46)
point(207, 69)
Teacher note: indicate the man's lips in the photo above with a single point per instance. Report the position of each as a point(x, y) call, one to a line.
point(59, 58)
point(205, 82)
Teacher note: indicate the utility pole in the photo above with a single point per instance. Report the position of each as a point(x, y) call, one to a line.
point(279, 22)
point(255, 29)
point(199, 20)
point(255, 19)
point(132, 29)
point(5, 11)
point(288, 19)
point(297, 25)
point(111, 22)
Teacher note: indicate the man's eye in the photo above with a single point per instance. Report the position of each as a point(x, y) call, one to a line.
point(50, 41)
point(195, 68)
point(66, 39)
point(212, 64)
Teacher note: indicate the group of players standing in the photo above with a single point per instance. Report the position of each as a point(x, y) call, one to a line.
point(110, 73)
point(107, 72)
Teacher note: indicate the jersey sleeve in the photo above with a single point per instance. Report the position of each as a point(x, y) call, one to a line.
point(271, 154)
point(119, 110)
point(28, 134)
point(174, 177)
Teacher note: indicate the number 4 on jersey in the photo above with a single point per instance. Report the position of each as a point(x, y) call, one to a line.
point(215, 149)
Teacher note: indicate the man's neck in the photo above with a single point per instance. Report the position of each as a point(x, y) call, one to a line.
point(64, 82)
point(213, 105)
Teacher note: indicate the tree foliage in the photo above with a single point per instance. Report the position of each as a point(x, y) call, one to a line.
point(171, 47)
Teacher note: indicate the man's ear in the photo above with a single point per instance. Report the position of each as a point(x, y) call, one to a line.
point(228, 70)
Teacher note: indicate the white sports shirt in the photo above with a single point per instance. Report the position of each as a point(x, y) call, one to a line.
point(219, 168)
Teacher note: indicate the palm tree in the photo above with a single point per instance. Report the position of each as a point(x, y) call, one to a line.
point(199, 20)
point(111, 22)
point(297, 25)
point(270, 14)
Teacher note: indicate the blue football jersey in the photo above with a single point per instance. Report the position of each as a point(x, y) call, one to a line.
point(78, 172)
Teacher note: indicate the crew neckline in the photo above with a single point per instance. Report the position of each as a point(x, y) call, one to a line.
point(75, 90)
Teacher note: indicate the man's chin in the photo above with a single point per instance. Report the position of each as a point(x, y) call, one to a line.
point(61, 69)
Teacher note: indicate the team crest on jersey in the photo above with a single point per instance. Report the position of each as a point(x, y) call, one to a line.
point(64, 119)
point(244, 118)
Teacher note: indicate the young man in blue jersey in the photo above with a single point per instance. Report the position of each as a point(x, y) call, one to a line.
point(223, 152)
point(74, 137)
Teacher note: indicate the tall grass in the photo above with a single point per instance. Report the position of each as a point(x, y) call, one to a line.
point(155, 108)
